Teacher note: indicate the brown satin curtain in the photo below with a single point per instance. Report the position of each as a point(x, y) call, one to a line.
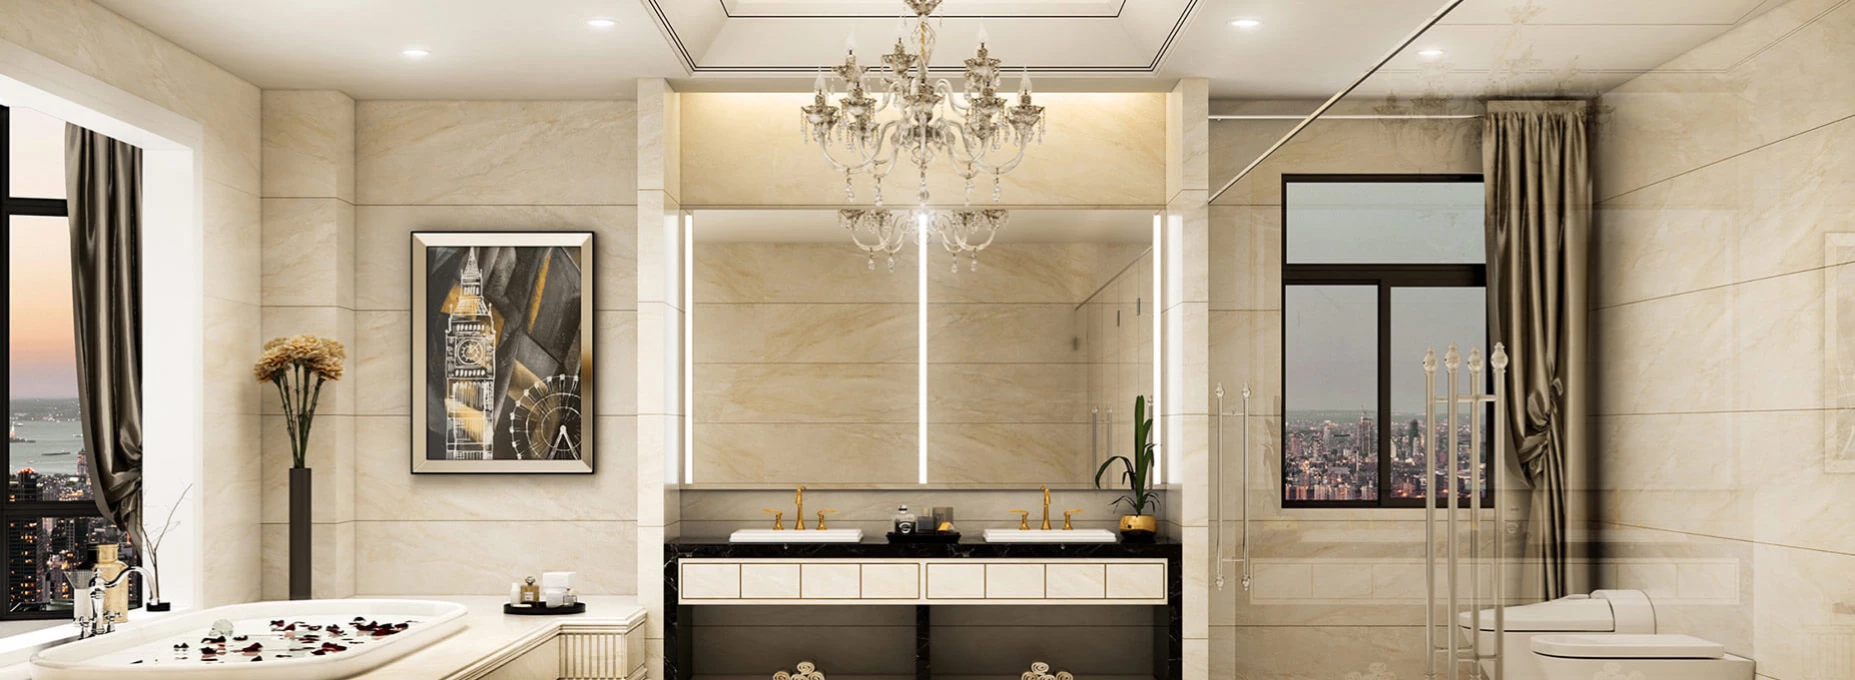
point(1535, 157)
point(104, 177)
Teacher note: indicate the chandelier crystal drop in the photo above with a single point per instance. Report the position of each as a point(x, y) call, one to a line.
point(962, 233)
point(974, 129)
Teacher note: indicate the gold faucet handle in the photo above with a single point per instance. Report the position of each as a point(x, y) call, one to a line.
point(779, 519)
point(821, 514)
point(1024, 519)
point(1066, 525)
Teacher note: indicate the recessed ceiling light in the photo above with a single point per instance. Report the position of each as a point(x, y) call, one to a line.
point(416, 52)
point(1431, 53)
point(1245, 23)
point(601, 23)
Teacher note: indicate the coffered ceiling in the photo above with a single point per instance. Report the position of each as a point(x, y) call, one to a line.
point(532, 49)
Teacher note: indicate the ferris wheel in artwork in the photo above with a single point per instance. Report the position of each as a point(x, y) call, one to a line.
point(545, 422)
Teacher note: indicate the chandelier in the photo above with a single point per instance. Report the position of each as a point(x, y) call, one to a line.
point(975, 130)
point(960, 232)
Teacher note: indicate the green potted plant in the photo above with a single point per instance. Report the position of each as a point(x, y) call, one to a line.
point(1137, 473)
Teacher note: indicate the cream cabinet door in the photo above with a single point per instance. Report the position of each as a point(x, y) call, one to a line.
point(703, 581)
point(1075, 581)
point(956, 581)
point(1136, 581)
point(891, 581)
point(770, 581)
point(1014, 581)
point(831, 581)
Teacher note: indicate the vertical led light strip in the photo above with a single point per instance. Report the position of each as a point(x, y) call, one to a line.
point(1159, 307)
point(689, 348)
point(921, 356)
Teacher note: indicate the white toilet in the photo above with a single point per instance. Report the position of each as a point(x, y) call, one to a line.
point(1603, 612)
point(1634, 657)
point(1581, 637)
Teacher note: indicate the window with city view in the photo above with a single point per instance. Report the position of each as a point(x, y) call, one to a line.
point(1376, 269)
point(50, 518)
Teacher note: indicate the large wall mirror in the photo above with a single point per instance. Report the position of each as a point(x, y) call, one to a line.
point(809, 367)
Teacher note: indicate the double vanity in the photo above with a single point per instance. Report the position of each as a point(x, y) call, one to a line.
point(923, 576)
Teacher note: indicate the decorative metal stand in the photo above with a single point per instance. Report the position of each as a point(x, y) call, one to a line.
point(1455, 400)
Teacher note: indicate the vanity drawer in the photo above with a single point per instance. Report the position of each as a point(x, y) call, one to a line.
point(1137, 581)
point(956, 581)
point(831, 581)
point(711, 581)
point(891, 581)
point(1014, 581)
point(770, 581)
point(1075, 581)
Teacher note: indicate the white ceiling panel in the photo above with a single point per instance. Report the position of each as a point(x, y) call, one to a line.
point(949, 8)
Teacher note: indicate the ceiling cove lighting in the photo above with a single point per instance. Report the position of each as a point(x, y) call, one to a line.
point(1246, 24)
point(601, 23)
point(416, 53)
point(1431, 53)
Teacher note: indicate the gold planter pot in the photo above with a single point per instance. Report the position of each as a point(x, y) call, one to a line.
point(1139, 528)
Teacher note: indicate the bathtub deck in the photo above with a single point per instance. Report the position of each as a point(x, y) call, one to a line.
point(491, 638)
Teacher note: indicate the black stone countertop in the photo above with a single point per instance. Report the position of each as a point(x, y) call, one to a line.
point(878, 548)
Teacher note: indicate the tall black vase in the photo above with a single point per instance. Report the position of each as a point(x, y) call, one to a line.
point(299, 533)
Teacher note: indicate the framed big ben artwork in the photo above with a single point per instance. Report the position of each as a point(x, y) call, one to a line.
point(502, 353)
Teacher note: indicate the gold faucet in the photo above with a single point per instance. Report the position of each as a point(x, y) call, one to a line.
point(821, 514)
point(1046, 508)
point(801, 502)
point(1066, 525)
point(779, 519)
point(1024, 519)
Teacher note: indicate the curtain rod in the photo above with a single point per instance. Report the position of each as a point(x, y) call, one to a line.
point(1337, 96)
point(1388, 116)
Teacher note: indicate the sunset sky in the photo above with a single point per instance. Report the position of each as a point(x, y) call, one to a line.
point(41, 359)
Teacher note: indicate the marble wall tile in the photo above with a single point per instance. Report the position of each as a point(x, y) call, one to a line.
point(1246, 350)
point(1778, 342)
point(1801, 618)
point(720, 512)
point(496, 153)
point(1245, 270)
point(805, 393)
point(1668, 238)
point(231, 338)
point(1007, 393)
point(797, 332)
point(385, 491)
point(308, 252)
point(1018, 272)
point(232, 244)
point(1294, 653)
point(616, 333)
point(1003, 333)
point(380, 360)
point(231, 493)
point(308, 144)
point(1342, 146)
point(383, 245)
point(1003, 453)
point(1101, 149)
point(1665, 355)
point(431, 557)
point(799, 273)
point(1798, 190)
point(808, 454)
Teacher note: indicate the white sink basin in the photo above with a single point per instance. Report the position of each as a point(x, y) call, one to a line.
point(1050, 536)
point(796, 536)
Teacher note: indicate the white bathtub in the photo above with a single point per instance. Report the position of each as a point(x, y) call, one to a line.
point(147, 650)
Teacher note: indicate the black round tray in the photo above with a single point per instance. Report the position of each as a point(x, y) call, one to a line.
point(543, 610)
point(931, 537)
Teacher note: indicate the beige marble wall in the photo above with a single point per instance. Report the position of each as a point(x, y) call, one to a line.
point(491, 166)
point(88, 38)
point(1722, 175)
point(1326, 580)
point(745, 149)
point(308, 287)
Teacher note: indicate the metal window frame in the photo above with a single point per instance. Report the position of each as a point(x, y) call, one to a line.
point(11, 510)
point(1384, 277)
